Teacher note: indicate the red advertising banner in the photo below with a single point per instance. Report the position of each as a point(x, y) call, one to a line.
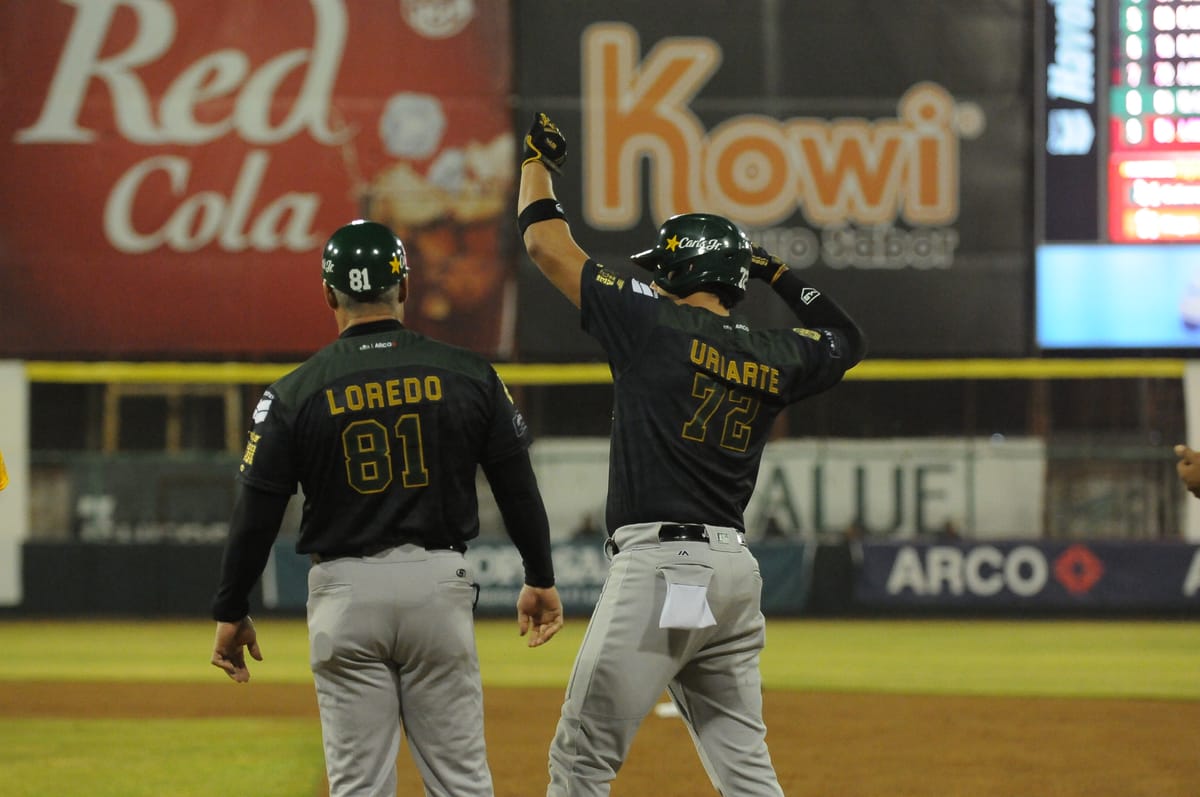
point(170, 170)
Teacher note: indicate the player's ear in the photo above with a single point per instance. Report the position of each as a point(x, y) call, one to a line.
point(330, 297)
point(402, 294)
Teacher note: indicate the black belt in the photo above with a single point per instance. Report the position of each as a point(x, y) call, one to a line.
point(688, 532)
point(682, 532)
point(373, 550)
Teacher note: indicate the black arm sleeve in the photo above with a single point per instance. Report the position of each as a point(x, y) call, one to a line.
point(815, 309)
point(255, 524)
point(514, 486)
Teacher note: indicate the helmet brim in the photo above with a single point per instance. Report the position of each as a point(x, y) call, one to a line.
point(648, 259)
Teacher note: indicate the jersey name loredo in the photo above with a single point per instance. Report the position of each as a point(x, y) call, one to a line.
point(389, 393)
point(742, 372)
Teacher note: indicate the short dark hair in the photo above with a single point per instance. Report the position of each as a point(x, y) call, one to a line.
point(386, 296)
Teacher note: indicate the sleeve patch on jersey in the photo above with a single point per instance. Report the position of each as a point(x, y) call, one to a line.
point(248, 454)
point(811, 334)
point(608, 278)
point(263, 406)
point(643, 289)
point(809, 295)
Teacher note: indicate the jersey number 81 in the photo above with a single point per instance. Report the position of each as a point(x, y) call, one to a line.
point(368, 451)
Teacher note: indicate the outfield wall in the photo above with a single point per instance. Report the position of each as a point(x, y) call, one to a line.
point(1016, 578)
point(14, 501)
point(939, 524)
point(894, 487)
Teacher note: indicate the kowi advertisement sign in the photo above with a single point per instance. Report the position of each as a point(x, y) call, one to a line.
point(882, 151)
point(170, 170)
point(855, 179)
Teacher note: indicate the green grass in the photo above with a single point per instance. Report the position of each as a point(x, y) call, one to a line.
point(1033, 658)
point(282, 757)
point(156, 758)
point(1004, 658)
point(163, 651)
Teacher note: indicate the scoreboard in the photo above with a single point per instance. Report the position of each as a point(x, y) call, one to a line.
point(1154, 122)
point(1118, 175)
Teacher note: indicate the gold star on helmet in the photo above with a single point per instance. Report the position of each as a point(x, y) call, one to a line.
point(395, 264)
point(672, 243)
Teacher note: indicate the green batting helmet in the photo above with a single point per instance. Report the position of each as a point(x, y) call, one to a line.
point(699, 251)
point(363, 259)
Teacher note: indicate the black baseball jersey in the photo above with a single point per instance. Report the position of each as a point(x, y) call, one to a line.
point(383, 429)
point(695, 396)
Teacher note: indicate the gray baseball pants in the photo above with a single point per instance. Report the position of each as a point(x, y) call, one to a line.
point(392, 646)
point(626, 660)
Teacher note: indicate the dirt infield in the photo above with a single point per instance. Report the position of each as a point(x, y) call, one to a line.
point(826, 745)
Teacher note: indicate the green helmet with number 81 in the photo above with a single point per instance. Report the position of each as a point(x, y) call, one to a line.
point(363, 259)
point(700, 251)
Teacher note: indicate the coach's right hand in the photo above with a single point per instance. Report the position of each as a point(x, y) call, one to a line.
point(544, 144)
point(539, 614)
point(228, 654)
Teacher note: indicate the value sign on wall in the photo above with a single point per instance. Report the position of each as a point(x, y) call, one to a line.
point(170, 170)
point(899, 488)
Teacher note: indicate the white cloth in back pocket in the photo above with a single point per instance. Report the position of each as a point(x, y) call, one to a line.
point(686, 604)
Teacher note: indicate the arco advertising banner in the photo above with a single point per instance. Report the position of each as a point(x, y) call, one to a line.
point(170, 170)
point(1159, 575)
point(881, 149)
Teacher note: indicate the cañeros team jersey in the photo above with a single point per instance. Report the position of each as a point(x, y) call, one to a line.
point(354, 426)
point(697, 394)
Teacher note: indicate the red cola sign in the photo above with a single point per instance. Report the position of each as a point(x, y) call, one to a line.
point(186, 162)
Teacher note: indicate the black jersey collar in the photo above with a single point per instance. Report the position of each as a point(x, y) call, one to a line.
point(372, 328)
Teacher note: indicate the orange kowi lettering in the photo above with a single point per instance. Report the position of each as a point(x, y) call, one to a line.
point(751, 167)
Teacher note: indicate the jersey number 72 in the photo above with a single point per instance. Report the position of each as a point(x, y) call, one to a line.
point(737, 412)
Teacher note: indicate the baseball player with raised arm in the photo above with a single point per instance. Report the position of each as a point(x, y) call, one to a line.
point(696, 390)
point(384, 429)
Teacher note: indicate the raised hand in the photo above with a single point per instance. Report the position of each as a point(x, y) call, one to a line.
point(544, 144)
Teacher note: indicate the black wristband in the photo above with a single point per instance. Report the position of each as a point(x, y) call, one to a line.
point(540, 210)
